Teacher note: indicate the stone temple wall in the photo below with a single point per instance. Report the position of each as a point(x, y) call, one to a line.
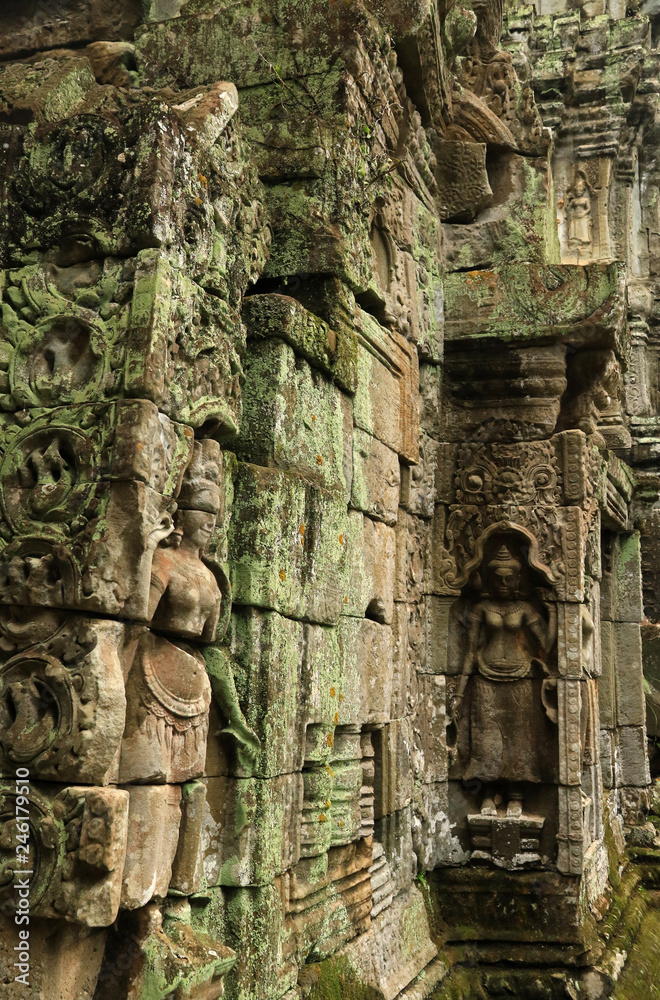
point(329, 499)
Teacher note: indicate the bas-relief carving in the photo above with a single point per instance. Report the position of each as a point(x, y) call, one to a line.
point(169, 688)
point(582, 189)
point(504, 711)
point(578, 210)
point(134, 226)
point(136, 328)
point(75, 841)
point(62, 699)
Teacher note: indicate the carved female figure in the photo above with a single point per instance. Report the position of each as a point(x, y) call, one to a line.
point(185, 598)
point(507, 644)
point(579, 212)
point(168, 691)
point(170, 685)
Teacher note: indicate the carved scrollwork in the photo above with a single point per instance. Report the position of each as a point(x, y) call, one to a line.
point(62, 701)
point(508, 473)
point(74, 843)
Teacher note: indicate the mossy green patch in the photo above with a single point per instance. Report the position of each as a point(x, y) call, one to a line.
point(641, 977)
point(335, 979)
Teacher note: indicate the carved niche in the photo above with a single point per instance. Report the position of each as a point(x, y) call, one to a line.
point(504, 724)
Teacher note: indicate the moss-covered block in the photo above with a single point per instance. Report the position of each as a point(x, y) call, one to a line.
point(181, 961)
point(366, 650)
point(332, 693)
point(317, 231)
point(267, 653)
point(204, 43)
point(251, 831)
point(253, 919)
point(527, 302)
point(286, 545)
point(335, 979)
point(371, 550)
point(293, 417)
point(329, 346)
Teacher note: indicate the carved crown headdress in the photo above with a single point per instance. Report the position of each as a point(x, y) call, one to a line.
point(504, 557)
point(200, 489)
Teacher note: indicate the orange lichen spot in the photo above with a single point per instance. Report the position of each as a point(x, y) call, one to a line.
point(202, 180)
point(336, 718)
point(140, 445)
point(301, 529)
point(341, 822)
point(341, 697)
point(319, 460)
point(321, 817)
point(328, 803)
point(332, 692)
point(313, 416)
point(329, 770)
point(341, 542)
point(198, 201)
point(346, 600)
point(282, 575)
point(330, 740)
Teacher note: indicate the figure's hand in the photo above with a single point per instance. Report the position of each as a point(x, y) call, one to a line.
point(545, 593)
point(161, 531)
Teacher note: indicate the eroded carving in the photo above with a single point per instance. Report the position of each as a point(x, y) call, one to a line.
point(507, 728)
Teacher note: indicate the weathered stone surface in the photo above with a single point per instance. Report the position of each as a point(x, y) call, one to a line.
point(154, 816)
point(267, 841)
point(385, 403)
point(393, 752)
point(157, 950)
point(469, 901)
point(286, 545)
point(70, 841)
point(293, 419)
point(334, 351)
point(70, 964)
point(364, 646)
point(376, 478)
point(397, 947)
point(521, 302)
point(328, 496)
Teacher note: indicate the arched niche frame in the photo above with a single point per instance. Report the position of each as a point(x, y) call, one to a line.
point(527, 542)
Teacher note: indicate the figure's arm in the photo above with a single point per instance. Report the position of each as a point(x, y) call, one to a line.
point(545, 634)
point(211, 623)
point(469, 659)
point(224, 691)
point(157, 586)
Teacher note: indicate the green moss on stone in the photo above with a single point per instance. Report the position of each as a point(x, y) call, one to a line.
point(335, 979)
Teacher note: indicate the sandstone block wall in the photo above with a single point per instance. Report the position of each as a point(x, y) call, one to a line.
point(328, 498)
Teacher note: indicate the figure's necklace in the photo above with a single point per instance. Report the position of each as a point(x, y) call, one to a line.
point(506, 607)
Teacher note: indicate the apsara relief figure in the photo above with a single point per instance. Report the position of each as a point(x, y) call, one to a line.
point(579, 212)
point(507, 734)
point(169, 690)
